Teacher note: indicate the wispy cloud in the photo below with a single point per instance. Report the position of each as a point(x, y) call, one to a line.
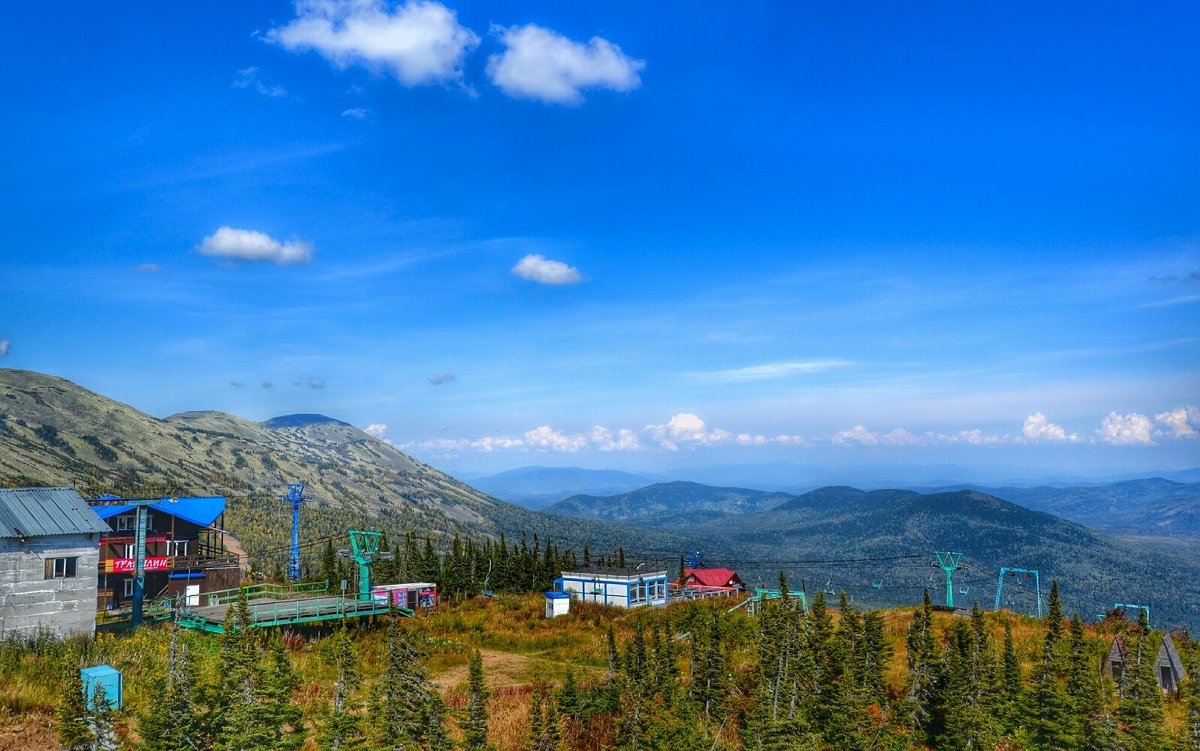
point(248, 78)
point(251, 245)
point(312, 383)
point(542, 64)
point(537, 268)
point(771, 371)
point(418, 42)
point(5, 345)
point(1182, 300)
point(442, 378)
point(148, 268)
point(355, 113)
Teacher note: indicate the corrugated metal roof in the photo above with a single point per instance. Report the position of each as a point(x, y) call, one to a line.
point(44, 512)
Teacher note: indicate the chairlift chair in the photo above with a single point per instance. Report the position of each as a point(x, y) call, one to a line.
point(963, 589)
point(877, 584)
point(829, 590)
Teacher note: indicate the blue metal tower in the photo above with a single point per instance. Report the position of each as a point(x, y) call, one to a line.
point(296, 496)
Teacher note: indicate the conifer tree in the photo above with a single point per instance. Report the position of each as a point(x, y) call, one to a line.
point(1141, 709)
point(175, 721)
point(918, 693)
point(72, 712)
point(278, 716)
point(1189, 731)
point(329, 566)
point(1050, 716)
point(475, 725)
point(1011, 692)
point(341, 731)
point(100, 721)
point(407, 711)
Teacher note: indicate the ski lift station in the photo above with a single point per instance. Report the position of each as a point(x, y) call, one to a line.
point(628, 587)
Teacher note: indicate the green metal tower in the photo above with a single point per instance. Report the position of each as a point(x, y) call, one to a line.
point(949, 562)
point(364, 549)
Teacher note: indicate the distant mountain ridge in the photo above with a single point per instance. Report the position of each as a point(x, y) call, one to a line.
point(537, 487)
point(654, 501)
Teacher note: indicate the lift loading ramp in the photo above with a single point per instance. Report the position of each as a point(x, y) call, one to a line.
point(271, 613)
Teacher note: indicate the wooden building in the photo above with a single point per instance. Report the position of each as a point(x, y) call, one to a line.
point(186, 553)
point(721, 578)
point(48, 562)
point(1168, 666)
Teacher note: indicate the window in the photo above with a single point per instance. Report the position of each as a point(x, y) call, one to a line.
point(129, 587)
point(61, 568)
point(125, 523)
point(638, 593)
point(1165, 679)
point(180, 547)
point(129, 546)
point(657, 590)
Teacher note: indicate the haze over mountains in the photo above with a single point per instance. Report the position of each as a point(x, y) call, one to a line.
point(837, 537)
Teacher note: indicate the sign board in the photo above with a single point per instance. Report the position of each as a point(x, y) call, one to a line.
point(120, 538)
point(125, 565)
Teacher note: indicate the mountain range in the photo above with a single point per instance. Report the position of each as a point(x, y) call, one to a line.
point(877, 545)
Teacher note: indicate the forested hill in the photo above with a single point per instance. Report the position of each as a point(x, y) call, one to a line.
point(54, 432)
point(650, 504)
point(879, 546)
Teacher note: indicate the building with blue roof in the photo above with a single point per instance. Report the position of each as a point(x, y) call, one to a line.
point(187, 550)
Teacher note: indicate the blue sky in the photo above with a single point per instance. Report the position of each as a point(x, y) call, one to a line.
point(620, 235)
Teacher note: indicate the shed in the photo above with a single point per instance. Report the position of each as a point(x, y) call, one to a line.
point(557, 603)
point(49, 548)
point(1168, 667)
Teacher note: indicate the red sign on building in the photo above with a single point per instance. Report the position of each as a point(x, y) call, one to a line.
point(125, 565)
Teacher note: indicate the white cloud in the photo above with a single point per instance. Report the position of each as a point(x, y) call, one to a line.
point(623, 439)
point(1038, 428)
point(858, 434)
point(547, 438)
point(541, 64)
point(376, 429)
point(901, 437)
point(5, 345)
point(774, 370)
point(248, 78)
point(418, 42)
point(1132, 429)
point(537, 268)
point(251, 245)
point(791, 440)
point(148, 268)
point(357, 113)
point(687, 427)
point(1182, 422)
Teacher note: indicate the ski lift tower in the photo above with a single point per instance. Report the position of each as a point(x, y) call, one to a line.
point(1029, 572)
point(949, 562)
point(364, 550)
point(296, 497)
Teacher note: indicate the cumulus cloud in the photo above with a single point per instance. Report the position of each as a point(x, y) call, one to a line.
point(1183, 422)
point(792, 440)
point(544, 65)
point(1132, 429)
point(148, 268)
point(687, 427)
point(901, 437)
point(440, 379)
point(537, 268)
point(1038, 428)
point(376, 430)
point(858, 434)
point(247, 78)
point(357, 113)
point(418, 42)
point(546, 438)
point(251, 245)
point(774, 370)
point(622, 439)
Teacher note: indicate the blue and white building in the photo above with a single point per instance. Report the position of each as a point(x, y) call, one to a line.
point(622, 587)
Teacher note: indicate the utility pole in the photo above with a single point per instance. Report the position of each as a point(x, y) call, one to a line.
point(141, 521)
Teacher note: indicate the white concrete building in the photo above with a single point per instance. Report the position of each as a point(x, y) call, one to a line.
point(623, 587)
point(49, 548)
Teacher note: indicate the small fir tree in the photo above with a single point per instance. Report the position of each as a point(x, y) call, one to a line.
point(475, 725)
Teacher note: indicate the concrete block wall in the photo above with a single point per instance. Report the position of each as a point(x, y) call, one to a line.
point(29, 601)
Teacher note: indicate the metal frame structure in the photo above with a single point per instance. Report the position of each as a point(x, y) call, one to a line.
point(295, 496)
point(949, 562)
point(1131, 606)
point(1009, 570)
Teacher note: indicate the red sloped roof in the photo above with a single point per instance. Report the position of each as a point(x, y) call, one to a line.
point(711, 577)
